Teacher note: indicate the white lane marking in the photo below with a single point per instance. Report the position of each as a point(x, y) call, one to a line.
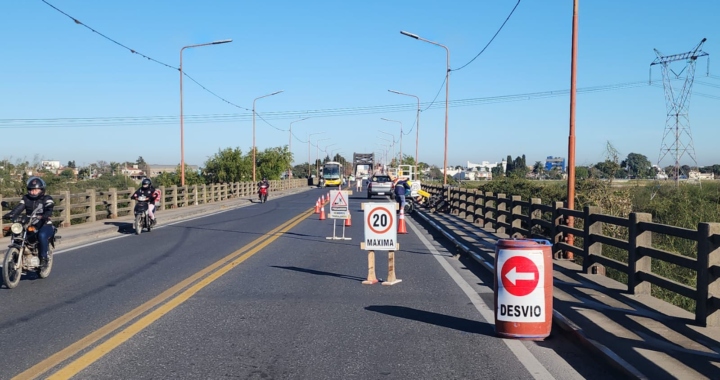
point(524, 355)
point(159, 227)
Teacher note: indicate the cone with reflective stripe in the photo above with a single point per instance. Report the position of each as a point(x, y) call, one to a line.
point(323, 199)
point(317, 206)
point(348, 223)
point(322, 212)
point(401, 222)
point(328, 197)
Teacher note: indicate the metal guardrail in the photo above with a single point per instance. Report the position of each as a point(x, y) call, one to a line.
point(517, 218)
point(92, 205)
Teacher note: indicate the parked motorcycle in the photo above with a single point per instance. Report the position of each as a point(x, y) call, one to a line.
point(142, 216)
point(23, 252)
point(263, 193)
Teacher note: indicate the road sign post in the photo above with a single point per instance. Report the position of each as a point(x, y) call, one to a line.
point(523, 288)
point(339, 209)
point(380, 223)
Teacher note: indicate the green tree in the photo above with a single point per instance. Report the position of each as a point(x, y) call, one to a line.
point(71, 164)
point(273, 161)
point(637, 165)
point(67, 174)
point(497, 172)
point(582, 172)
point(510, 166)
point(436, 173)
point(228, 165)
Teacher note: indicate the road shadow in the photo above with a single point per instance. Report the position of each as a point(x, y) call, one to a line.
point(320, 273)
point(123, 227)
point(442, 320)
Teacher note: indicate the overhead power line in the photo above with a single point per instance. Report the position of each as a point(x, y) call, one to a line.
point(491, 40)
point(332, 112)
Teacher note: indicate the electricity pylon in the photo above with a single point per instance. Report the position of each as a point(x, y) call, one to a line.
point(677, 137)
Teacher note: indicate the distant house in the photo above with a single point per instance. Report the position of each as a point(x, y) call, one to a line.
point(156, 170)
point(134, 172)
point(51, 165)
point(694, 174)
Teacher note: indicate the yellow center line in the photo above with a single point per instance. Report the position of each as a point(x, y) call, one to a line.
point(106, 330)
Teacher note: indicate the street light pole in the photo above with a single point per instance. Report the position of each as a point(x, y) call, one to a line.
point(316, 133)
point(182, 142)
point(393, 141)
point(317, 158)
point(254, 150)
point(447, 94)
point(401, 137)
point(290, 145)
point(417, 129)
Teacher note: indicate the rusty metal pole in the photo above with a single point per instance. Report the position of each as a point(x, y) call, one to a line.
point(571, 140)
point(182, 147)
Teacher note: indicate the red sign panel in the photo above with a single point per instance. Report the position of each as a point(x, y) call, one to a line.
point(520, 276)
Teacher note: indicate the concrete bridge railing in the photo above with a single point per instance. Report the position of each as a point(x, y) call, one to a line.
point(93, 205)
point(515, 217)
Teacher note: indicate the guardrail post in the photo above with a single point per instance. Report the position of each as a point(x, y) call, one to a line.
point(479, 217)
point(708, 275)
point(204, 194)
point(174, 203)
point(186, 196)
point(556, 235)
point(591, 247)
point(534, 214)
point(132, 201)
point(1, 213)
point(195, 195)
point(636, 262)
point(67, 212)
point(163, 196)
point(515, 211)
point(91, 198)
point(489, 207)
point(500, 205)
point(113, 203)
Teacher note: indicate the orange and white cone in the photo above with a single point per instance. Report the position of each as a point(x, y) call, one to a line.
point(401, 222)
point(322, 212)
point(323, 199)
point(348, 223)
point(328, 197)
point(317, 206)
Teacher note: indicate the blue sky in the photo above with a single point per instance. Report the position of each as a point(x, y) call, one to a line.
point(337, 54)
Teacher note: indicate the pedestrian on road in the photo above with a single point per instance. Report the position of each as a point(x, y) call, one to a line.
point(359, 183)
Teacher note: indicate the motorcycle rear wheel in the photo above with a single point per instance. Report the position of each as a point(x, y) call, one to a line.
point(138, 224)
point(264, 198)
point(44, 273)
point(11, 276)
point(148, 223)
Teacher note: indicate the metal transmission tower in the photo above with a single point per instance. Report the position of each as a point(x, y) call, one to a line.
point(677, 138)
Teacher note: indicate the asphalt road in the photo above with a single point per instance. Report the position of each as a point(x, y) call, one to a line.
point(287, 305)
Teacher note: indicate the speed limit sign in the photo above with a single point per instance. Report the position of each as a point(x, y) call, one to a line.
point(380, 227)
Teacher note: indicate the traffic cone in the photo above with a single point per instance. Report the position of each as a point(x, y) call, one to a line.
point(322, 212)
point(348, 223)
point(323, 199)
point(401, 222)
point(317, 206)
point(328, 197)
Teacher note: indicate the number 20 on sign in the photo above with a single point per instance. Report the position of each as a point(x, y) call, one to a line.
point(380, 227)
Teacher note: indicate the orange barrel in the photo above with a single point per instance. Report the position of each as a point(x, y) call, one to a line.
point(523, 288)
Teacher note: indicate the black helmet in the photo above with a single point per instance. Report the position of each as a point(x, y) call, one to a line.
point(35, 183)
point(264, 178)
point(146, 182)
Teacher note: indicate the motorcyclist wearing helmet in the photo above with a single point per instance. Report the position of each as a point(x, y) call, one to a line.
point(265, 182)
point(149, 192)
point(29, 202)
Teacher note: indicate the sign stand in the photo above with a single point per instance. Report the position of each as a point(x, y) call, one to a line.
point(334, 237)
point(371, 279)
point(391, 280)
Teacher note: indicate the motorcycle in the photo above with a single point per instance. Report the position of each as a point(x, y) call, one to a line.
point(142, 216)
point(23, 252)
point(263, 193)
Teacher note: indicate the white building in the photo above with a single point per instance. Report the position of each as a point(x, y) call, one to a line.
point(694, 174)
point(51, 165)
point(488, 165)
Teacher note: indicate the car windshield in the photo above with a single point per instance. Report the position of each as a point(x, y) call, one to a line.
point(380, 178)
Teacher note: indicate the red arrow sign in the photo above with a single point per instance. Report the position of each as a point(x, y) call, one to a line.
point(519, 276)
